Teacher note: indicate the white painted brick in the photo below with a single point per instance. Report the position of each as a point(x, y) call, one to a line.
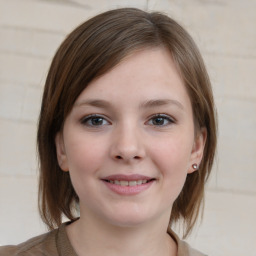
point(237, 118)
point(19, 218)
point(142, 4)
point(172, 9)
point(232, 77)
point(21, 69)
point(17, 148)
point(247, 3)
point(237, 146)
point(228, 227)
point(11, 101)
point(236, 160)
point(110, 4)
point(230, 31)
point(226, 29)
point(29, 41)
point(44, 15)
point(32, 104)
point(61, 16)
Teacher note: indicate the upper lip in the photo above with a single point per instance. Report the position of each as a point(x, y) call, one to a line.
point(131, 177)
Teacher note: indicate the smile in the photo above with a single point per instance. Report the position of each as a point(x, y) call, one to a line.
point(128, 184)
point(131, 183)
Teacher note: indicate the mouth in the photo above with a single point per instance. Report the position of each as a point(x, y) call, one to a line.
point(130, 183)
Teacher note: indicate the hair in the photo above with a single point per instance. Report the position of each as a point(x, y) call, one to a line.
point(93, 49)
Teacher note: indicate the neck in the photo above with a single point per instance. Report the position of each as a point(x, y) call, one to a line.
point(96, 238)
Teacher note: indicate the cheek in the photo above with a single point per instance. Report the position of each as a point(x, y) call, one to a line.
point(174, 153)
point(85, 160)
point(84, 155)
point(172, 160)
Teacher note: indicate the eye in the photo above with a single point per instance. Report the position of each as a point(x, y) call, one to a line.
point(160, 120)
point(94, 120)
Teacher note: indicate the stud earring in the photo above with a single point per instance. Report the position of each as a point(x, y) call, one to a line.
point(195, 166)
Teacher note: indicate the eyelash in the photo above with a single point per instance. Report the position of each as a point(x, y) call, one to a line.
point(85, 120)
point(164, 118)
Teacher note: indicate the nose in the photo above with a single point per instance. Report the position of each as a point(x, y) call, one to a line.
point(127, 144)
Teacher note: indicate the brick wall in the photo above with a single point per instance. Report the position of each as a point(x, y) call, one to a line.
point(30, 32)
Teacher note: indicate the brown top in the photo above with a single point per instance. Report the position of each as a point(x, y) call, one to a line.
point(56, 243)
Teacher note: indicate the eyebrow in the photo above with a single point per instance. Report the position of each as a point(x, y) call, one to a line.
point(95, 103)
point(161, 102)
point(147, 104)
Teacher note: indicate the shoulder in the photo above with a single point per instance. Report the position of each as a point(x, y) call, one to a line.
point(43, 245)
point(184, 249)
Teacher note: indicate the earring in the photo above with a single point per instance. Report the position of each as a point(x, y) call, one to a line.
point(195, 166)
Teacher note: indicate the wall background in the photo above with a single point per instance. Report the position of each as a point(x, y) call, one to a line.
point(30, 32)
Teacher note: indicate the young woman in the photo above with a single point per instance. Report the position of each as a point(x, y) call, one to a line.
point(126, 139)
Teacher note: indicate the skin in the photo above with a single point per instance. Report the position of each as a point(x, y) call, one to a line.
point(144, 125)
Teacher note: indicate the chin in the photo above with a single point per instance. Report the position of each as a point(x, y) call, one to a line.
point(129, 219)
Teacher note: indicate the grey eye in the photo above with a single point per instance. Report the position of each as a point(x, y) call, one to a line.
point(94, 120)
point(161, 120)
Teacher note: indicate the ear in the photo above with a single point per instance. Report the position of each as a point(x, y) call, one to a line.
point(61, 153)
point(198, 149)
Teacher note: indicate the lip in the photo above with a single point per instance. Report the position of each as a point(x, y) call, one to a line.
point(128, 190)
point(127, 177)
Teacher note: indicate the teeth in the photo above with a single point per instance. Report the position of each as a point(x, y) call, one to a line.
point(128, 183)
point(132, 183)
point(124, 182)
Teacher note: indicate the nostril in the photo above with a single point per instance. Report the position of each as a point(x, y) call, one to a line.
point(120, 157)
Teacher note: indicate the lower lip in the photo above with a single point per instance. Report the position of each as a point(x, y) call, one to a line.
point(128, 190)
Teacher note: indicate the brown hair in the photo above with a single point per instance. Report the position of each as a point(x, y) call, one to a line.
point(88, 52)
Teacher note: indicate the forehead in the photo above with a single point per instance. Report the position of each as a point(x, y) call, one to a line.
point(148, 72)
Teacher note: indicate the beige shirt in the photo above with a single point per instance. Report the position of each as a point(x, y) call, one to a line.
point(56, 243)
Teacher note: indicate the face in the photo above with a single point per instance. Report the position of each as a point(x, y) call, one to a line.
point(129, 141)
